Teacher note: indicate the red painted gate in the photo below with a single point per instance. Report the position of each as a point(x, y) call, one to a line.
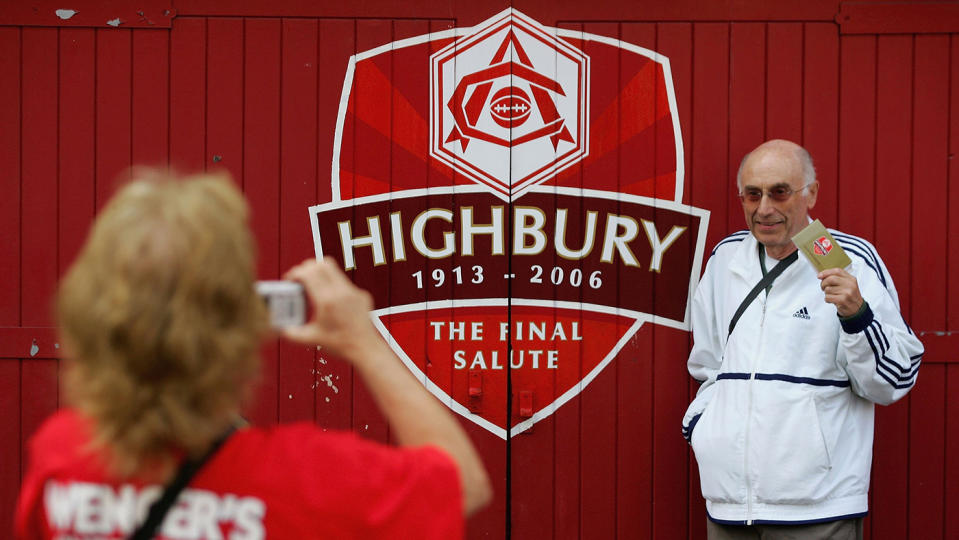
point(319, 111)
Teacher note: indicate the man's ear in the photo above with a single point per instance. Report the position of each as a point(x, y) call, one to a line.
point(812, 193)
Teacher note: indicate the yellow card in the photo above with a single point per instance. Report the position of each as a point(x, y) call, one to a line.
point(820, 247)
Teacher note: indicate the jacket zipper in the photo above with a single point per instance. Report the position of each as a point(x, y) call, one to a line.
point(749, 414)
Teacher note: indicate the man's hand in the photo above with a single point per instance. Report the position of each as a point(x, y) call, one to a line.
point(841, 289)
point(341, 311)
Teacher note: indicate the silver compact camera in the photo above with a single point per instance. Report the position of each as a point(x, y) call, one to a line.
point(285, 300)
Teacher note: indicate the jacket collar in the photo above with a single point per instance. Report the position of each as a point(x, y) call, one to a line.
point(745, 261)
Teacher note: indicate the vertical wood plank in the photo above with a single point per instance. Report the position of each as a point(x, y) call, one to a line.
point(820, 120)
point(930, 131)
point(224, 115)
point(675, 40)
point(10, 430)
point(150, 97)
point(784, 99)
point(857, 135)
point(747, 111)
point(567, 519)
point(77, 152)
point(893, 126)
point(297, 190)
point(113, 111)
point(952, 263)
point(928, 249)
point(188, 94)
point(709, 184)
point(337, 38)
point(10, 141)
point(261, 131)
point(38, 397)
point(370, 33)
point(952, 278)
point(39, 188)
point(408, 90)
point(634, 370)
point(700, 56)
point(927, 458)
point(951, 452)
point(952, 314)
point(598, 424)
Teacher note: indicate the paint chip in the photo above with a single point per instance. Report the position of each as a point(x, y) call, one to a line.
point(34, 349)
point(291, 396)
point(328, 379)
point(327, 400)
point(65, 14)
point(115, 22)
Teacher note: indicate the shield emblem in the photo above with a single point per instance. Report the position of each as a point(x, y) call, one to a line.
point(516, 216)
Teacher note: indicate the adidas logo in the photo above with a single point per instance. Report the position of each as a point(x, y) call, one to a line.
point(802, 313)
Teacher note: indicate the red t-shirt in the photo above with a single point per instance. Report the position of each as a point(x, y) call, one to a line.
point(292, 481)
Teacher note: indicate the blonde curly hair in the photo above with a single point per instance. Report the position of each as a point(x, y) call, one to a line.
point(161, 319)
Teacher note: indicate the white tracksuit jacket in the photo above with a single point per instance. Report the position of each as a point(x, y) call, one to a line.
point(782, 425)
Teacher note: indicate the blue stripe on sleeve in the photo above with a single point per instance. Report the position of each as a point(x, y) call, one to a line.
point(865, 247)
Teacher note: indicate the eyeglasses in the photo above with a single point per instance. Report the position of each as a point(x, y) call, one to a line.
point(777, 193)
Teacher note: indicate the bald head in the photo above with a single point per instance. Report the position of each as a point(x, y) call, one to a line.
point(786, 152)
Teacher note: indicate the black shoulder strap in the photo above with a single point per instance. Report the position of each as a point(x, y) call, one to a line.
point(184, 474)
point(766, 281)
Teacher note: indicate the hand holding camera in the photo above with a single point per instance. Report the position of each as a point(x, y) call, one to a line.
point(340, 320)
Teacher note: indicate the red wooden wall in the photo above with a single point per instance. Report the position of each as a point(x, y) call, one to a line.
point(871, 89)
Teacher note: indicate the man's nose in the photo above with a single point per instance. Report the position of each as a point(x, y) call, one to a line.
point(765, 204)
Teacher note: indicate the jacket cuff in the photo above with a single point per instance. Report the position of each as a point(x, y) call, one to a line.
point(688, 430)
point(858, 322)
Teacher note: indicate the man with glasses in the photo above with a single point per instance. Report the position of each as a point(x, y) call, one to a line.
point(782, 424)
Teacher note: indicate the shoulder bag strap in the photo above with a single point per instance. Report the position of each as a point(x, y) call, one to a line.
point(766, 281)
point(184, 474)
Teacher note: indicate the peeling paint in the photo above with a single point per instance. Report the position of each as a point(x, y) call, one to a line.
point(291, 396)
point(328, 379)
point(323, 361)
point(56, 345)
point(34, 349)
point(115, 22)
point(327, 399)
point(367, 426)
point(217, 159)
point(65, 14)
point(938, 333)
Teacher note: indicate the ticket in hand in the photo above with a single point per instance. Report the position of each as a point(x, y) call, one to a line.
point(820, 247)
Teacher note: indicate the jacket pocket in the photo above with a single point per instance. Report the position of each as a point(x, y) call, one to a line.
point(789, 450)
point(717, 444)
